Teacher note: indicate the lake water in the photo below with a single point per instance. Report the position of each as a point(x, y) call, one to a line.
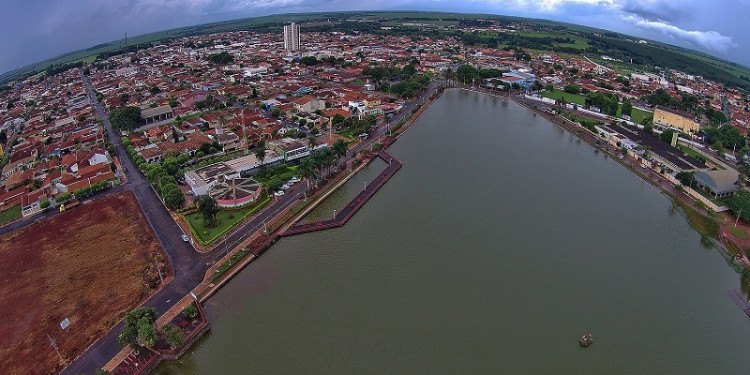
point(498, 244)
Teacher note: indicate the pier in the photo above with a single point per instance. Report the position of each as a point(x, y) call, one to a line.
point(354, 205)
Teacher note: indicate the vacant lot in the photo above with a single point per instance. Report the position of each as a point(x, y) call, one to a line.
point(89, 264)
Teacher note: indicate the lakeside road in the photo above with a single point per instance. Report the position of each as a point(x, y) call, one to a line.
point(189, 265)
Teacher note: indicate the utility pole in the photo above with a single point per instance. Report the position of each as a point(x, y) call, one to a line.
point(161, 278)
point(54, 345)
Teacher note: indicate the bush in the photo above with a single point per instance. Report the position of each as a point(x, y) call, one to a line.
point(191, 311)
point(44, 204)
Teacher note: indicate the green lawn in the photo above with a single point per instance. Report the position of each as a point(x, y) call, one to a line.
point(570, 98)
point(738, 232)
point(637, 115)
point(11, 214)
point(227, 219)
point(690, 152)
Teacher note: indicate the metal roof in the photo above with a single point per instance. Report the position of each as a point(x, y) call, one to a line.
point(719, 182)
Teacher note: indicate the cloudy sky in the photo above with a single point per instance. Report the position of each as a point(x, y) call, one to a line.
point(33, 30)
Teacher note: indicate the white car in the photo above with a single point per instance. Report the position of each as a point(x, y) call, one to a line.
point(185, 238)
point(279, 193)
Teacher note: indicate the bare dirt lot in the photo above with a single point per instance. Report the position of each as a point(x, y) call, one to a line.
point(90, 264)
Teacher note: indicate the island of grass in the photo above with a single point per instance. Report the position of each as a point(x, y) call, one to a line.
point(226, 219)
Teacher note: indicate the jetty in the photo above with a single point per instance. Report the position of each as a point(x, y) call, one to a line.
point(354, 205)
point(740, 300)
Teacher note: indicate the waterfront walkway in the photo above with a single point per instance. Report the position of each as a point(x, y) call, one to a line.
point(354, 205)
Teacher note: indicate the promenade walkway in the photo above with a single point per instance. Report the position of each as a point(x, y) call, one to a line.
point(354, 205)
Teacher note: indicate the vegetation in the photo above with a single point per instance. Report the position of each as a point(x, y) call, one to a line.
point(226, 220)
point(10, 214)
point(191, 311)
point(208, 208)
point(739, 204)
point(125, 118)
point(139, 328)
point(221, 58)
point(228, 264)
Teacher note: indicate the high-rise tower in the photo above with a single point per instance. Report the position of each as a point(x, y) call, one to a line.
point(291, 37)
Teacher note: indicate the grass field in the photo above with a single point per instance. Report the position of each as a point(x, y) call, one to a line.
point(227, 219)
point(738, 232)
point(637, 115)
point(10, 214)
point(690, 152)
point(570, 98)
point(90, 265)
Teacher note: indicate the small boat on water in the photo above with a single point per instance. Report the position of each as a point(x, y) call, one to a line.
point(586, 340)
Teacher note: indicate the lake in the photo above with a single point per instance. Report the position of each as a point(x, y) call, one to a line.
point(499, 243)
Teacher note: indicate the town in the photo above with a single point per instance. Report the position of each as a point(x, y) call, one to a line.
point(219, 137)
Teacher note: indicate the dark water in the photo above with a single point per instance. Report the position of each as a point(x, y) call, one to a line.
point(499, 243)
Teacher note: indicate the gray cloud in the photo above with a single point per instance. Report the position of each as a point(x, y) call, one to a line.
point(707, 40)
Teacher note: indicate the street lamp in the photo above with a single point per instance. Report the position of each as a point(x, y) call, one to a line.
point(365, 185)
point(334, 214)
point(738, 217)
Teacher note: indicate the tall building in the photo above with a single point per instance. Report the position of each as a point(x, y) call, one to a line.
point(291, 37)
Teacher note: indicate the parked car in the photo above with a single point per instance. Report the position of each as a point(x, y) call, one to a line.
point(185, 238)
point(279, 193)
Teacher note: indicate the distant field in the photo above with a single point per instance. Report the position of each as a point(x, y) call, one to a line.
point(89, 264)
point(570, 98)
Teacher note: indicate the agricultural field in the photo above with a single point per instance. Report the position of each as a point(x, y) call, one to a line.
point(90, 265)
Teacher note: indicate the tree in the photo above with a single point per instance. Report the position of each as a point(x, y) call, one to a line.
point(572, 89)
point(408, 70)
point(173, 196)
point(44, 204)
point(190, 311)
point(627, 107)
point(308, 60)
point(172, 335)
point(221, 58)
point(208, 209)
point(306, 169)
point(740, 204)
point(686, 178)
point(125, 118)
point(171, 165)
point(466, 73)
point(139, 327)
point(260, 151)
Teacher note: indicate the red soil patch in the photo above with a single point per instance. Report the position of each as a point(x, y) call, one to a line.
point(90, 264)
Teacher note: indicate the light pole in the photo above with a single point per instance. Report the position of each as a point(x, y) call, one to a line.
point(738, 217)
point(334, 214)
point(365, 185)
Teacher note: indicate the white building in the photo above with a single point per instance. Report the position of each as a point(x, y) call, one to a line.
point(291, 37)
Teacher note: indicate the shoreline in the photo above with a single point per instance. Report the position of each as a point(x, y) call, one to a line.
point(263, 239)
point(701, 220)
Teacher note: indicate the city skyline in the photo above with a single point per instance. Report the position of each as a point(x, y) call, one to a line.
point(58, 27)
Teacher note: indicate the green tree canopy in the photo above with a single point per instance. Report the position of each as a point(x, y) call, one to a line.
point(221, 58)
point(125, 118)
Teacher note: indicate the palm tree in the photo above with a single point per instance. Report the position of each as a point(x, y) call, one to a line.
point(339, 149)
point(307, 170)
point(208, 208)
point(260, 151)
point(312, 142)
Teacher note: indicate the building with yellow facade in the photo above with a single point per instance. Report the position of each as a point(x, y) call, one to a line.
point(668, 118)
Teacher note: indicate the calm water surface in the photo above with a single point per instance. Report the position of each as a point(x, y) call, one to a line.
point(499, 243)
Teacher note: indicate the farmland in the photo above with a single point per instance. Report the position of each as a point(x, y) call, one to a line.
point(89, 265)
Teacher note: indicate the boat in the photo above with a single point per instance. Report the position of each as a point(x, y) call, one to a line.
point(586, 340)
